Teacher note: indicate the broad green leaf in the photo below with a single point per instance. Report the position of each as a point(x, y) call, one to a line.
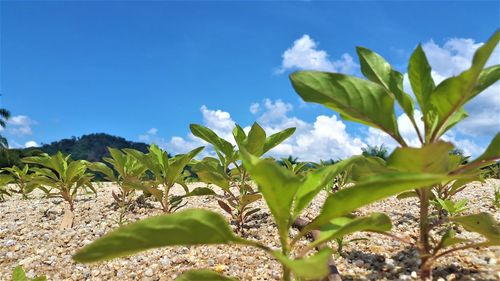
point(277, 138)
point(378, 70)
point(355, 99)
point(249, 198)
point(190, 227)
point(431, 158)
point(239, 134)
point(254, 144)
point(18, 274)
point(210, 136)
point(178, 163)
point(202, 275)
point(407, 194)
point(487, 77)
point(316, 181)
point(482, 223)
point(419, 74)
point(342, 226)
point(491, 153)
point(378, 187)
point(449, 239)
point(454, 92)
point(277, 185)
point(209, 170)
point(200, 191)
point(368, 166)
point(313, 267)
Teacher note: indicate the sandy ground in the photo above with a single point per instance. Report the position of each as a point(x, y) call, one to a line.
point(29, 236)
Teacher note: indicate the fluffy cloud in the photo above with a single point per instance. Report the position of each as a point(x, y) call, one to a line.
point(451, 59)
point(20, 125)
point(304, 55)
point(31, 144)
point(325, 138)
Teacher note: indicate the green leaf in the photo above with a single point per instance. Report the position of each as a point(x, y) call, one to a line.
point(482, 223)
point(239, 135)
point(254, 144)
point(278, 186)
point(18, 274)
point(202, 275)
point(342, 226)
point(378, 187)
point(277, 138)
point(487, 77)
point(317, 180)
point(454, 92)
point(449, 239)
point(355, 99)
point(378, 70)
point(210, 136)
point(183, 228)
point(431, 158)
point(313, 267)
point(178, 163)
point(419, 74)
point(210, 170)
point(491, 153)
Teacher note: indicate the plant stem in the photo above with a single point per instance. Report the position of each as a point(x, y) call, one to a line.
point(424, 246)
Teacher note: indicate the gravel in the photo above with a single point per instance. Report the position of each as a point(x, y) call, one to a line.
point(30, 236)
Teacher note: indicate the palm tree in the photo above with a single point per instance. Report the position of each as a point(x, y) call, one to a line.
point(376, 151)
point(4, 116)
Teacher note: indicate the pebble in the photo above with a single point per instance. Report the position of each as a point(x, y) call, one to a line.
point(148, 272)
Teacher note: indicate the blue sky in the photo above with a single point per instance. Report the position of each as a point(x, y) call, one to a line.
point(145, 70)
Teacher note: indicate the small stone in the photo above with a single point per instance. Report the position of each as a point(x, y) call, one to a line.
point(148, 272)
point(358, 263)
point(96, 272)
point(492, 261)
point(413, 275)
point(211, 262)
point(10, 243)
point(220, 268)
point(441, 279)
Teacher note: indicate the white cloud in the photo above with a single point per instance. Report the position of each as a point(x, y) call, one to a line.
point(451, 59)
point(325, 138)
point(304, 55)
point(20, 125)
point(254, 108)
point(31, 144)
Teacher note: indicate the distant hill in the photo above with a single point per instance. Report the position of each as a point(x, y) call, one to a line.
point(92, 147)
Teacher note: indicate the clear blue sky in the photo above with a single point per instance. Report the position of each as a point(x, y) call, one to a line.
point(123, 67)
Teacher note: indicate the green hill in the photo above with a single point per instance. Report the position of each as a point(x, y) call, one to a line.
point(92, 147)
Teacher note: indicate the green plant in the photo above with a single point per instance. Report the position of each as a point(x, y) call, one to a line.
point(371, 102)
point(287, 196)
point(294, 166)
point(18, 274)
point(342, 242)
point(217, 171)
point(167, 171)
point(451, 208)
point(128, 177)
point(495, 200)
point(63, 175)
point(375, 151)
point(23, 179)
point(4, 190)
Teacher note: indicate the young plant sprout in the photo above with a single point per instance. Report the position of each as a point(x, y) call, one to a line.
point(63, 175)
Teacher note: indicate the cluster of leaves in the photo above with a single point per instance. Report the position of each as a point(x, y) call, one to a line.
point(227, 172)
point(153, 173)
point(371, 102)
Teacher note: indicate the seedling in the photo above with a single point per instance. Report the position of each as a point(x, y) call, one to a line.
point(22, 179)
point(64, 176)
point(128, 177)
point(287, 195)
point(4, 190)
point(217, 171)
point(166, 172)
point(371, 102)
point(451, 208)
